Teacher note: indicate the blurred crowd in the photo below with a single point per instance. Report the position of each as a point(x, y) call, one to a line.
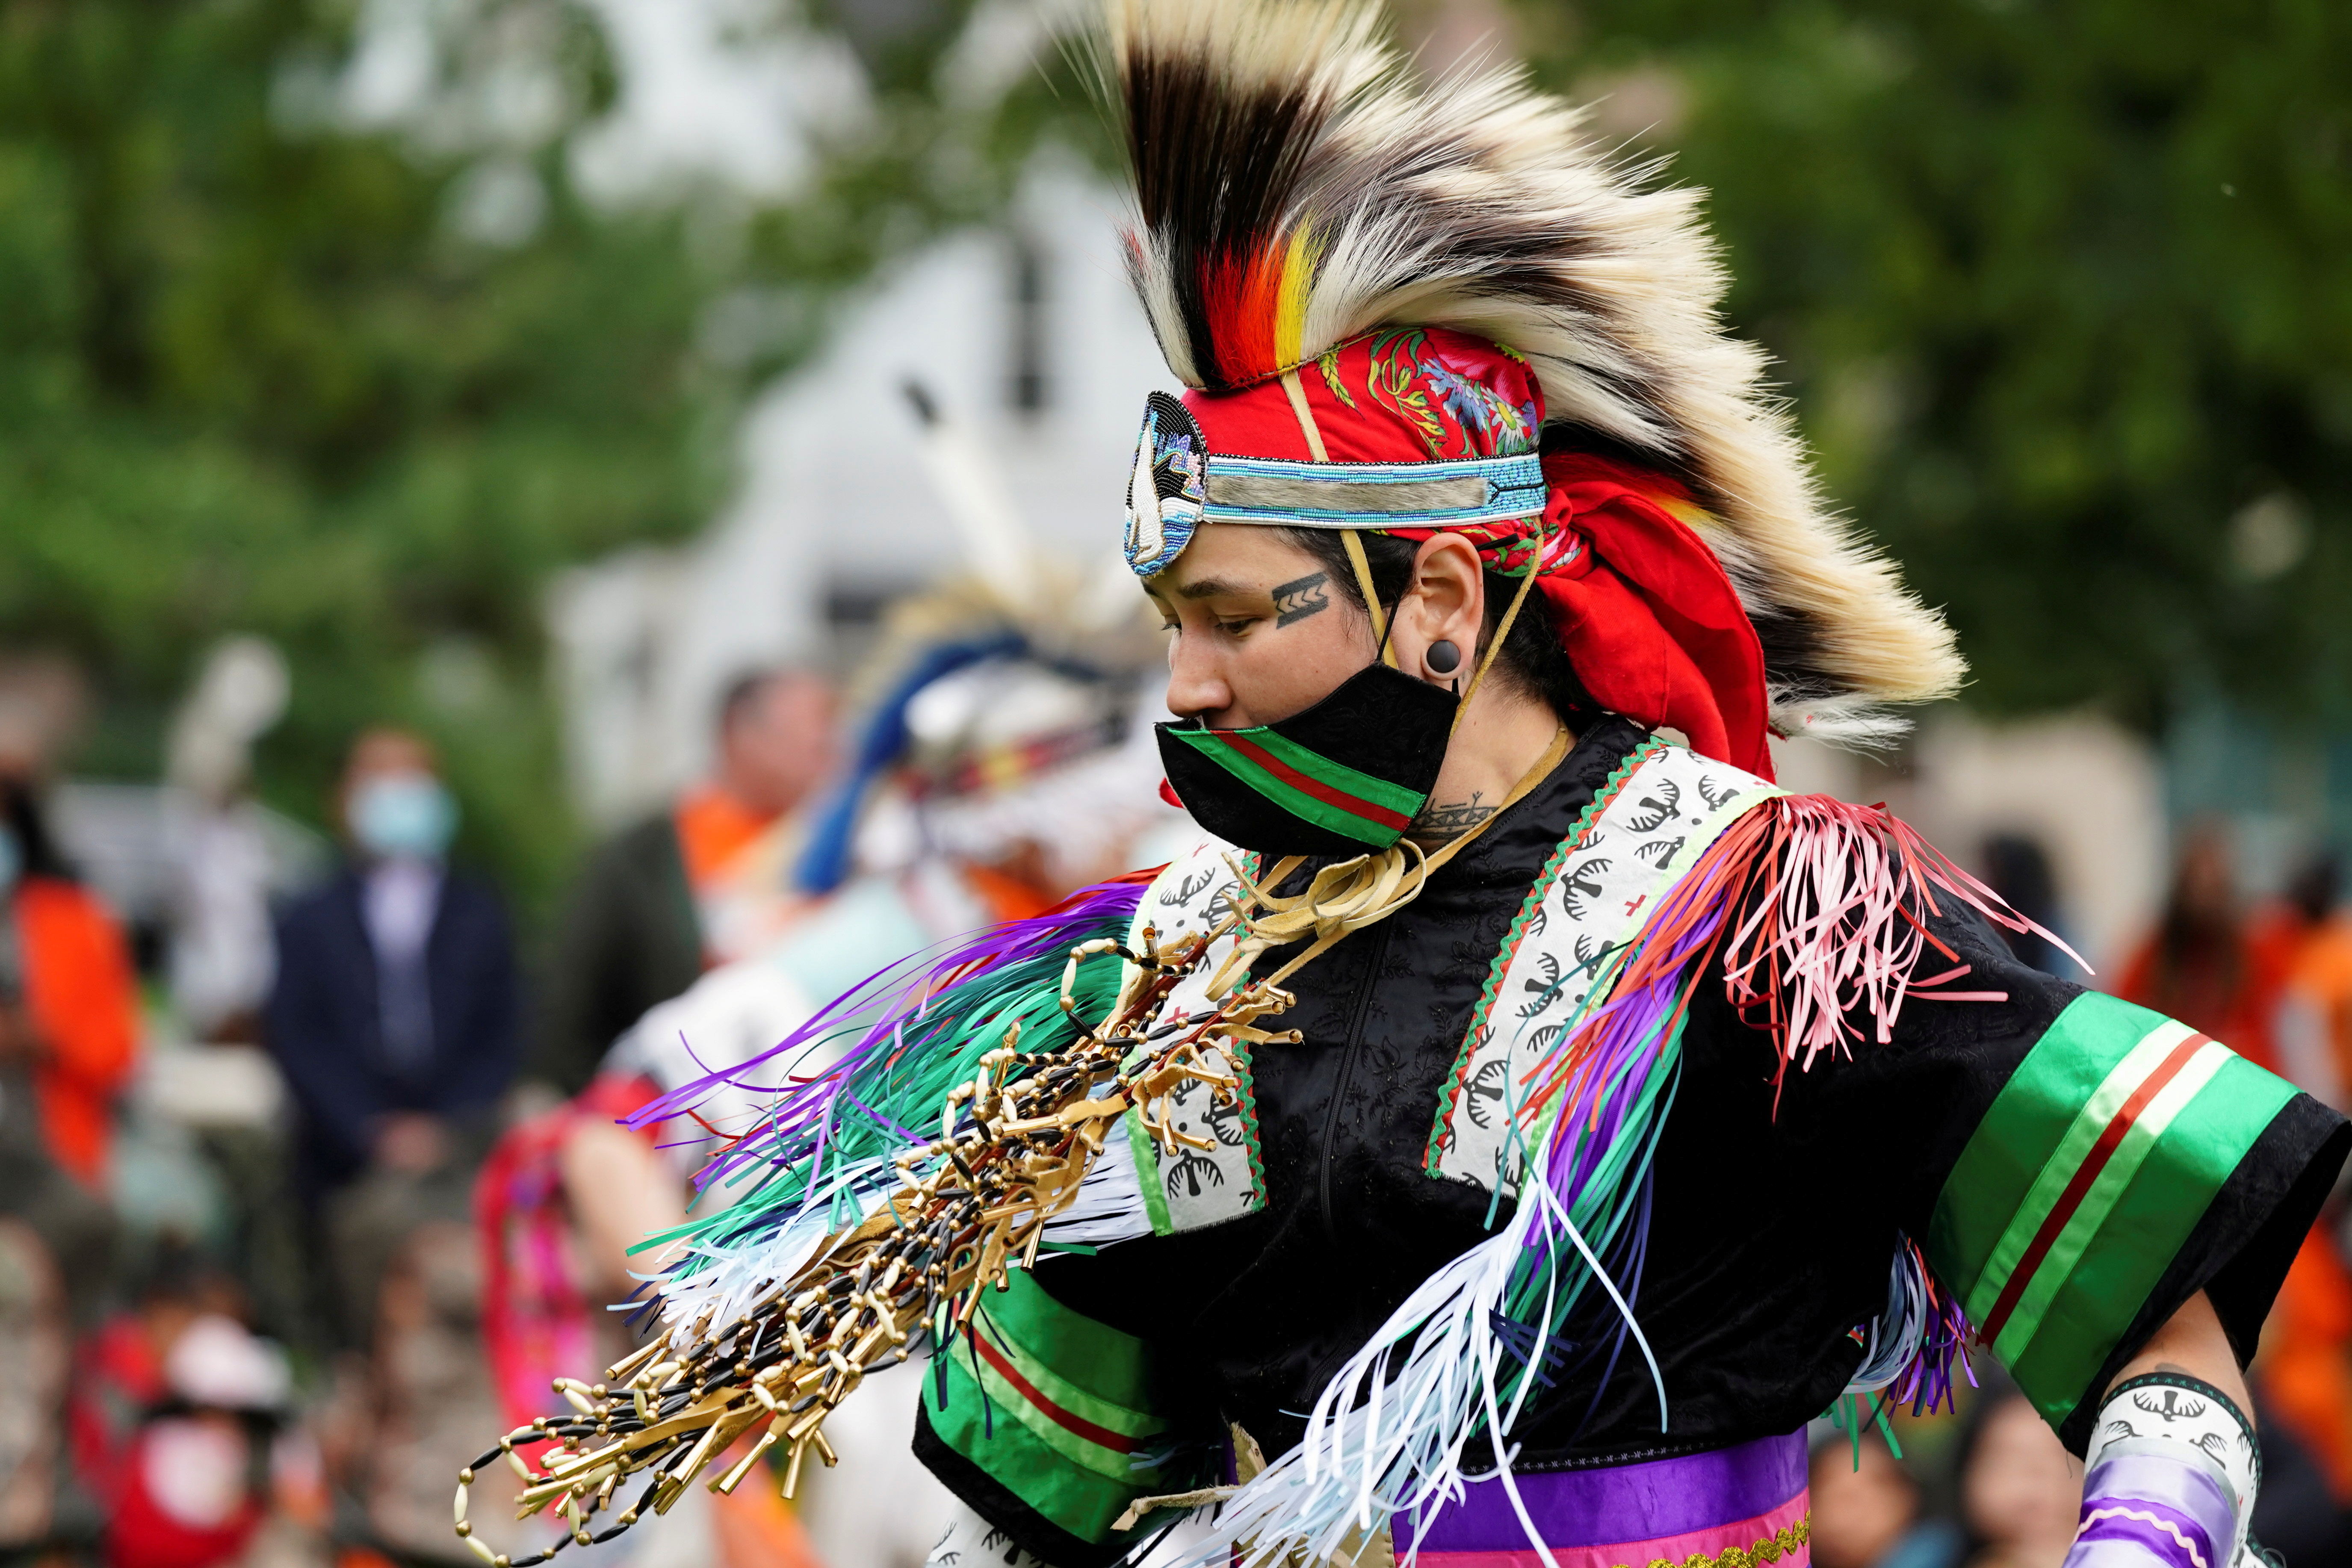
point(273, 1334)
point(273, 1337)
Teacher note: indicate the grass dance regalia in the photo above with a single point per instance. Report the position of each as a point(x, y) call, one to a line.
point(1509, 1197)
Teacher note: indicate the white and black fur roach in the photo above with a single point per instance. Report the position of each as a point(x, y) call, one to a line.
point(1476, 203)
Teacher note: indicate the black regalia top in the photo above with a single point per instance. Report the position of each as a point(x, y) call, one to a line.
point(1775, 1200)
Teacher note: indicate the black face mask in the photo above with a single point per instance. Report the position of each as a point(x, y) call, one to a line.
point(1343, 778)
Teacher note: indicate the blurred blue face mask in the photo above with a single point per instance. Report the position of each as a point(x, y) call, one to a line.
point(402, 814)
point(12, 861)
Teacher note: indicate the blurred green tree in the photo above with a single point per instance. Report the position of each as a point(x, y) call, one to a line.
point(2058, 288)
point(362, 385)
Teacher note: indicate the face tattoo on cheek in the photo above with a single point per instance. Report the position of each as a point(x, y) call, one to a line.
point(1295, 600)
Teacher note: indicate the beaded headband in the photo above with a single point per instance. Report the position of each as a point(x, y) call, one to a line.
point(1178, 484)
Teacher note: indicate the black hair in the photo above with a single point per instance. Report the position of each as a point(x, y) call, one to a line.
point(1532, 662)
point(2314, 891)
point(2018, 867)
point(21, 814)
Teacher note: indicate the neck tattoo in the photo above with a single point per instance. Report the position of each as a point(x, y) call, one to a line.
point(1441, 820)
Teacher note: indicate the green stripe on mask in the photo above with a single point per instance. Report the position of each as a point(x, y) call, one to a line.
point(1337, 776)
point(1378, 792)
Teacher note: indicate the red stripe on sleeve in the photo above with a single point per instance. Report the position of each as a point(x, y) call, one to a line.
point(1068, 1420)
point(2072, 1199)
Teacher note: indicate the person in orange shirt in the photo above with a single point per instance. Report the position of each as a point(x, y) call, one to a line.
point(680, 891)
point(2276, 987)
point(68, 1001)
point(2305, 1370)
point(2214, 966)
point(68, 1039)
point(2314, 1021)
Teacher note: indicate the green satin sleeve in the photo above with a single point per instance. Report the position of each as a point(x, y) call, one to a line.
point(1044, 1421)
point(2083, 1180)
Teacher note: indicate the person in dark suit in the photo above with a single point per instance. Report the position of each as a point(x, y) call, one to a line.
point(397, 1012)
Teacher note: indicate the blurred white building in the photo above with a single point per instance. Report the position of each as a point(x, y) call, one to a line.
point(1026, 337)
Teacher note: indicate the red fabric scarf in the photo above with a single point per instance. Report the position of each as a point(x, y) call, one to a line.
point(1648, 616)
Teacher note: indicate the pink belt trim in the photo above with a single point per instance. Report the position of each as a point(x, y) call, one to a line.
point(1747, 1543)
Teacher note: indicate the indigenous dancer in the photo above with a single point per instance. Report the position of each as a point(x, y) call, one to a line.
point(1499, 1148)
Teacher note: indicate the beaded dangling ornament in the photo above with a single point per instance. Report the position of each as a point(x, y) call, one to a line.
point(1015, 1143)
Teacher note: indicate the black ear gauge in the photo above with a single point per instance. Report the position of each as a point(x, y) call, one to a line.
point(1444, 656)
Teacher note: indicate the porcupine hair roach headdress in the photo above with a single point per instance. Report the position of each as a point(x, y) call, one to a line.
point(1300, 190)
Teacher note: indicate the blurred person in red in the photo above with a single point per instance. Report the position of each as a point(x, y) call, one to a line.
point(69, 1004)
point(1866, 1510)
point(2313, 1023)
point(2304, 1374)
point(2301, 1378)
point(2209, 962)
point(690, 887)
point(174, 1421)
point(69, 1039)
point(2276, 987)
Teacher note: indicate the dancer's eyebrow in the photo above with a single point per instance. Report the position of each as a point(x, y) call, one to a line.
point(1216, 587)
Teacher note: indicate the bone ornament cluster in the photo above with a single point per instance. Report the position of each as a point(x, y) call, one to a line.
point(1016, 1144)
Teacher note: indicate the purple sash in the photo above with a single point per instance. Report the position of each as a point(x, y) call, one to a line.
point(1752, 1497)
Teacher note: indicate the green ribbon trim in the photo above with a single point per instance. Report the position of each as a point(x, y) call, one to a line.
point(1071, 1373)
point(1145, 1151)
point(2089, 1171)
point(1085, 1360)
